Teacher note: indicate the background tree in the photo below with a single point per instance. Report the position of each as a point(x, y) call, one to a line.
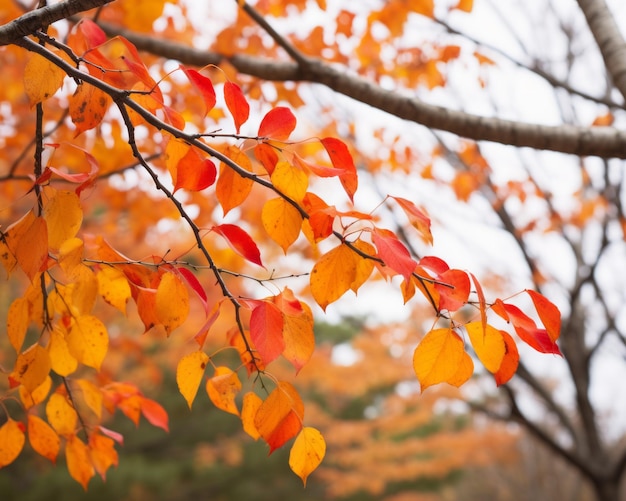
point(398, 57)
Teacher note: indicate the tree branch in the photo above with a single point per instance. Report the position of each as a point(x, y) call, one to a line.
point(609, 39)
point(30, 22)
point(605, 142)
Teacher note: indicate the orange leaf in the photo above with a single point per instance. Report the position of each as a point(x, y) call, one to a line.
point(32, 367)
point(465, 5)
point(62, 361)
point(231, 188)
point(279, 417)
point(417, 217)
point(223, 388)
point(87, 107)
point(482, 304)
point(267, 156)
point(102, 453)
point(88, 341)
point(42, 79)
point(364, 266)
point(91, 395)
point(282, 222)
point(11, 441)
point(43, 439)
point(437, 357)
point(548, 313)
point(266, 331)
point(509, 362)
point(297, 329)
point(488, 344)
point(240, 242)
point(341, 159)
point(193, 172)
point(61, 415)
point(154, 413)
point(333, 274)
point(17, 322)
point(203, 85)
point(278, 123)
point(463, 372)
point(250, 406)
point(189, 374)
point(30, 399)
point(237, 104)
point(78, 461)
point(307, 452)
point(171, 302)
point(113, 287)
point(528, 332)
point(27, 240)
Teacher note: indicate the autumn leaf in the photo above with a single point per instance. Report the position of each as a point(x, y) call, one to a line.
point(237, 104)
point(154, 413)
point(393, 252)
point(27, 241)
point(203, 85)
point(548, 313)
point(102, 453)
point(454, 289)
point(78, 461)
point(31, 367)
point(232, 189)
point(279, 418)
point(63, 215)
point(171, 302)
point(278, 124)
point(193, 172)
point(282, 222)
point(266, 331)
point(290, 181)
point(510, 361)
point(438, 357)
point(61, 359)
point(88, 341)
point(250, 406)
point(189, 374)
point(341, 158)
point(488, 344)
point(42, 78)
point(223, 388)
point(333, 275)
point(61, 415)
point(42, 438)
point(87, 107)
point(11, 441)
point(307, 452)
point(240, 242)
point(38, 395)
point(113, 287)
point(298, 334)
point(417, 217)
point(17, 322)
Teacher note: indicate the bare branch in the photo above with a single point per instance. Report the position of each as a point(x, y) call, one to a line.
point(609, 39)
point(33, 21)
point(605, 142)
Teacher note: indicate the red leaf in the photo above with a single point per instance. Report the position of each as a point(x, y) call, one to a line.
point(240, 242)
point(204, 86)
point(393, 253)
point(482, 304)
point(195, 285)
point(237, 104)
point(417, 217)
point(200, 337)
point(266, 331)
point(277, 124)
point(154, 413)
point(435, 264)
point(548, 313)
point(320, 221)
point(529, 333)
point(342, 159)
point(265, 154)
point(454, 297)
point(194, 173)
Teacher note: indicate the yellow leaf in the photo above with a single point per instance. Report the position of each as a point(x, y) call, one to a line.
point(29, 399)
point(282, 221)
point(11, 441)
point(62, 361)
point(307, 452)
point(488, 344)
point(17, 322)
point(437, 358)
point(41, 79)
point(290, 180)
point(141, 14)
point(113, 287)
point(223, 388)
point(88, 341)
point(189, 374)
point(71, 257)
point(64, 215)
point(249, 408)
point(61, 415)
point(333, 274)
point(43, 439)
point(464, 371)
point(364, 266)
point(78, 461)
point(91, 396)
point(32, 367)
point(171, 302)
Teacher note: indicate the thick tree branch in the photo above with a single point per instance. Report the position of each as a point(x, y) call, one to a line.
point(32, 21)
point(609, 39)
point(605, 142)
